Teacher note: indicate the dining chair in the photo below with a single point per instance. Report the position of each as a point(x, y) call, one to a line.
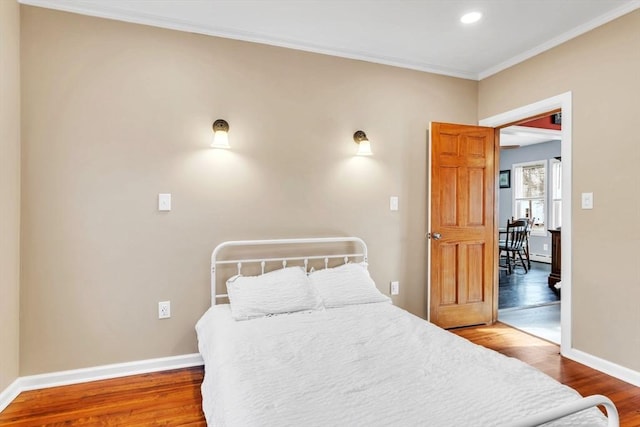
point(526, 243)
point(513, 245)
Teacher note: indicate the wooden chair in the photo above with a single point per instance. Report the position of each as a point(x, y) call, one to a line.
point(513, 245)
point(526, 244)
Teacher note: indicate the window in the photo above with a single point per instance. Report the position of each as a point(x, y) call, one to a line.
point(529, 194)
point(555, 215)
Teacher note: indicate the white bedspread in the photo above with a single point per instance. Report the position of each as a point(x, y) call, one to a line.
point(363, 365)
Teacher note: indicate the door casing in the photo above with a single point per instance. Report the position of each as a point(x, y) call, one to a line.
point(563, 102)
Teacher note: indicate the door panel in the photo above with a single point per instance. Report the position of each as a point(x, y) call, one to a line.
point(448, 196)
point(476, 197)
point(449, 274)
point(475, 273)
point(461, 210)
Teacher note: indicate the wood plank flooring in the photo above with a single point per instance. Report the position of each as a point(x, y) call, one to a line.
point(167, 398)
point(172, 398)
point(546, 357)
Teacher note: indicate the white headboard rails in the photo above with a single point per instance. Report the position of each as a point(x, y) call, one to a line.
point(359, 252)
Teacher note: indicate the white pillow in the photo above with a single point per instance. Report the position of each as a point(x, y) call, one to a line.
point(280, 291)
point(346, 285)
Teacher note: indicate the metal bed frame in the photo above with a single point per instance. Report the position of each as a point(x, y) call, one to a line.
point(361, 253)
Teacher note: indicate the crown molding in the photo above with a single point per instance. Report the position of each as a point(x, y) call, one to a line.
point(112, 11)
point(556, 41)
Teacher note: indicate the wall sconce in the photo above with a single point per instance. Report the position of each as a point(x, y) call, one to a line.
point(220, 134)
point(364, 146)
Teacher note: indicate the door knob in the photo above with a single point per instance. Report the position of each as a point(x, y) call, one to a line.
point(434, 236)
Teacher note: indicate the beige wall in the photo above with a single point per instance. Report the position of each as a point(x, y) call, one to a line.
point(601, 69)
point(116, 113)
point(9, 191)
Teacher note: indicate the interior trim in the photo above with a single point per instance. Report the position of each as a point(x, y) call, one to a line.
point(564, 103)
point(562, 38)
point(8, 394)
point(602, 365)
point(112, 11)
point(76, 376)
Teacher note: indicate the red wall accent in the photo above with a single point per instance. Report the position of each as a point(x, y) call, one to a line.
point(544, 123)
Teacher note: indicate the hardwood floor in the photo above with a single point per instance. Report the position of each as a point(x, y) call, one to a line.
point(546, 357)
point(168, 398)
point(172, 398)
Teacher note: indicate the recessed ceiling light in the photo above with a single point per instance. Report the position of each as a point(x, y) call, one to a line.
point(471, 17)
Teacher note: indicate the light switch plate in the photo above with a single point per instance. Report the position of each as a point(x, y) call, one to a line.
point(393, 203)
point(587, 200)
point(164, 202)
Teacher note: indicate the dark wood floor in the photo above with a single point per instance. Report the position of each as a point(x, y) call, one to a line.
point(172, 398)
point(520, 289)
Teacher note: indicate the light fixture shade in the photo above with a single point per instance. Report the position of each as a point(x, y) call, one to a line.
point(220, 134)
point(364, 146)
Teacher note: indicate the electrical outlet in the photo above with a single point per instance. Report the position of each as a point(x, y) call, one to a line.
point(164, 309)
point(395, 288)
point(545, 247)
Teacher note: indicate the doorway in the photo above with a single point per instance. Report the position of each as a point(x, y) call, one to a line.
point(530, 156)
point(562, 103)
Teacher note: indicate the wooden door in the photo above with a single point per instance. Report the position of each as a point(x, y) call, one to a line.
point(463, 243)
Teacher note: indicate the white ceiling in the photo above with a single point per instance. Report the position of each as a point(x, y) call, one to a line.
point(423, 35)
point(519, 136)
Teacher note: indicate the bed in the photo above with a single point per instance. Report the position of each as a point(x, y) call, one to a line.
point(302, 337)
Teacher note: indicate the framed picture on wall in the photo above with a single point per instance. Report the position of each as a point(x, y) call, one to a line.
point(505, 179)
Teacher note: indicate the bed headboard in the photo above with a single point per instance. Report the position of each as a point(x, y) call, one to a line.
point(278, 253)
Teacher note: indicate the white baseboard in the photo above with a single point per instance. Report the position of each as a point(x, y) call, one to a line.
point(8, 394)
point(76, 376)
point(609, 368)
point(541, 258)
